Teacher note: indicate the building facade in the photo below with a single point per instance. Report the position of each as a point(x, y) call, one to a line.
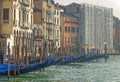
point(96, 26)
point(38, 30)
point(69, 33)
point(57, 22)
point(16, 26)
point(46, 7)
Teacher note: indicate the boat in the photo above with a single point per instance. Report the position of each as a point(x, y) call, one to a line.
point(22, 69)
point(48, 61)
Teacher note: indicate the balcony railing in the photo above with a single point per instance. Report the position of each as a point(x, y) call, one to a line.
point(56, 38)
point(26, 25)
point(50, 21)
point(25, 2)
point(39, 36)
point(50, 37)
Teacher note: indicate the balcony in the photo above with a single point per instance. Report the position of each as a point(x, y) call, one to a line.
point(50, 21)
point(26, 25)
point(39, 36)
point(56, 38)
point(25, 2)
point(50, 38)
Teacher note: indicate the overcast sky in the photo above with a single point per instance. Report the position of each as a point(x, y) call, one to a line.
point(115, 4)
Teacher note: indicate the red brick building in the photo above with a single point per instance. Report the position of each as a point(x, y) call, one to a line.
point(69, 33)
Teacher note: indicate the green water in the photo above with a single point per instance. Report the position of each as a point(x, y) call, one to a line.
point(79, 72)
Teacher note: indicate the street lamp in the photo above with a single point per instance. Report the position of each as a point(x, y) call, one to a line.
point(105, 47)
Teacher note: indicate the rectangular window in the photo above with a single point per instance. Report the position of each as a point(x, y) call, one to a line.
point(77, 30)
point(78, 9)
point(65, 29)
point(57, 32)
point(6, 15)
point(0, 44)
point(65, 39)
point(57, 13)
point(68, 29)
point(57, 21)
point(31, 20)
point(68, 39)
point(73, 29)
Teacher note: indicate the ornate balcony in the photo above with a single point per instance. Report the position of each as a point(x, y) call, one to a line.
point(25, 2)
point(50, 21)
point(38, 37)
point(26, 25)
point(50, 38)
point(56, 38)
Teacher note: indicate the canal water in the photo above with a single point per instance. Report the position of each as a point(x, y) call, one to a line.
point(100, 71)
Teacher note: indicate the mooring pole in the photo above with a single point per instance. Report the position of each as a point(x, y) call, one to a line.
point(26, 56)
point(35, 53)
point(15, 55)
point(8, 61)
point(15, 62)
point(18, 60)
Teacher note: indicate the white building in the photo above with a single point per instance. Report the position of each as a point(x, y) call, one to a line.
point(18, 25)
point(57, 22)
point(96, 25)
point(23, 24)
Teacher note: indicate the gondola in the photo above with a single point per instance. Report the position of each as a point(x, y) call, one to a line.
point(22, 69)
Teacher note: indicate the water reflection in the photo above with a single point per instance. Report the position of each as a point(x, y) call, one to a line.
point(79, 72)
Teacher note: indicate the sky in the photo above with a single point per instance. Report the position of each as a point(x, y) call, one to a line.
point(115, 4)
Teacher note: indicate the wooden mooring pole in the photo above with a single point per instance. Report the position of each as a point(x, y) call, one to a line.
point(18, 60)
point(8, 61)
point(15, 61)
point(35, 55)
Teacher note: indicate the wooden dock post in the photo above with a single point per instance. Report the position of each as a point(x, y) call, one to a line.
point(26, 56)
point(35, 53)
point(14, 61)
point(8, 61)
point(18, 60)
